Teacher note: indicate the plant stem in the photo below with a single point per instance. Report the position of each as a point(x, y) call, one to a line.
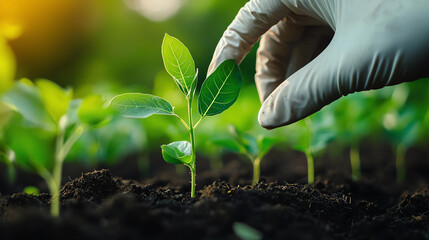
point(256, 170)
point(355, 162)
point(310, 166)
point(55, 182)
point(308, 153)
point(182, 121)
point(61, 150)
point(192, 137)
point(400, 162)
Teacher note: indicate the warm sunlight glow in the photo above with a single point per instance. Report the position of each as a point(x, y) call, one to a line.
point(156, 10)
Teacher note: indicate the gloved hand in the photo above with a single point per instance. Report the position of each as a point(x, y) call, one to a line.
point(375, 43)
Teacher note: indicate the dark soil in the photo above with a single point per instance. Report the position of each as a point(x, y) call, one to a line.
point(97, 205)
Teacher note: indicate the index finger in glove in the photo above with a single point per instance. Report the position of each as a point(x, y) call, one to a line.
point(253, 20)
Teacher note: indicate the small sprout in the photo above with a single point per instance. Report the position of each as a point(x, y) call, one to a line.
point(304, 144)
point(31, 190)
point(47, 114)
point(253, 148)
point(246, 232)
point(218, 92)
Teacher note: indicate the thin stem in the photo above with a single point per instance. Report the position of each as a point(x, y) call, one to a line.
point(355, 162)
point(256, 170)
point(310, 166)
point(182, 121)
point(62, 149)
point(193, 180)
point(192, 137)
point(196, 124)
point(77, 133)
point(55, 182)
point(308, 153)
point(52, 186)
point(400, 163)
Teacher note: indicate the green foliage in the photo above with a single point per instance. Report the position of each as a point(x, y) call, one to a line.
point(403, 122)
point(179, 63)
point(110, 144)
point(31, 190)
point(216, 98)
point(220, 90)
point(310, 136)
point(177, 152)
point(47, 124)
point(26, 99)
point(56, 100)
point(138, 105)
point(93, 112)
point(253, 148)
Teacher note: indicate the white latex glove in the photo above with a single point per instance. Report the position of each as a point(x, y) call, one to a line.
point(376, 43)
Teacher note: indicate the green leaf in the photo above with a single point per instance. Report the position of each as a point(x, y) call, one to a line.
point(26, 100)
point(246, 232)
point(247, 141)
point(265, 144)
point(32, 146)
point(5, 115)
point(92, 110)
point(230, 144)
point(220, 90)
point(138, 105)
point(177, 152)
point(7, 66)
point(55, 98)
point(179, 63)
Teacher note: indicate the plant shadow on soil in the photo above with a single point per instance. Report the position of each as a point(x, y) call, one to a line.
point(105, 204)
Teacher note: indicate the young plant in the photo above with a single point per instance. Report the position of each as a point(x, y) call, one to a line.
point(253, 148)
point(303, 144)
point(48, 114)
point(402, 120)
point(355, 119)
point(218, 92)
point(310, 136)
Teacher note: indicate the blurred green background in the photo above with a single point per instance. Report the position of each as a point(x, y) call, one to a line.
point(110, 47)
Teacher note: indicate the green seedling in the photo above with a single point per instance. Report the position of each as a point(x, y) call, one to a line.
point(354, 120)
point(253, 148)
point(303, 144)
point(404, 125)
point(48, 123)
point(111, 144)
point(310, 136)
point(218, 92)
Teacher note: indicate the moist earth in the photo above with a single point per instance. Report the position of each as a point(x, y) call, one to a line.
point(97, 205)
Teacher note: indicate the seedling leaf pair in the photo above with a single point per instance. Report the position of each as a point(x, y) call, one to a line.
point(219, 91)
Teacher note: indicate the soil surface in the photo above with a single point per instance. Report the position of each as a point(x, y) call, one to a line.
point(98, 205)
